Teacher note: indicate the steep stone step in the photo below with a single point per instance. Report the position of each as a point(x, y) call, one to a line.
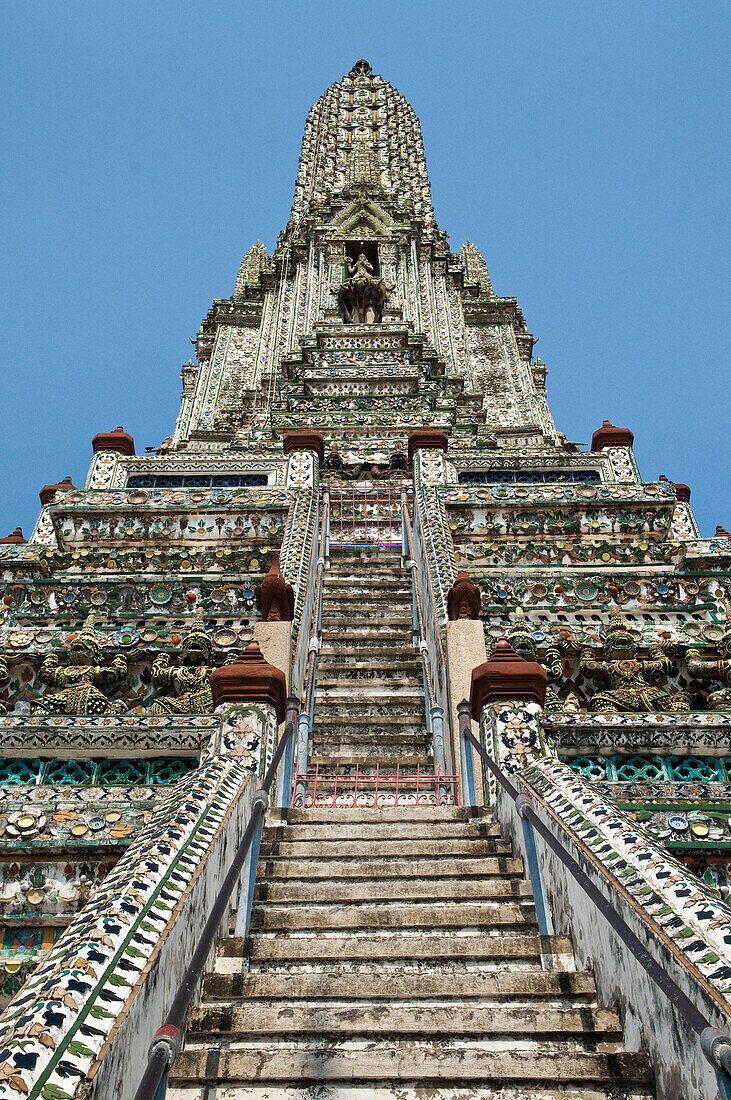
point(359, 680)
point(378, 586)
point(366, 614)
point(383, 633)
point(303, 1018)
point(345, 759)
point(374, 1090)
point(451, 848)
point(371, 726)
point(394, 1061)
point(346, 691)
point(426, 816)
point(436, 949)
point(369, 649)
point(293, 892)
point(365, 869)
point(421, 985)
point(364, 831)
point(359, 710)
point(271, 918)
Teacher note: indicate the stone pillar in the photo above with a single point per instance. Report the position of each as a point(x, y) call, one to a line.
point(617, 442)
point(250, 695)
point(43, 531)
point(683, 524)
point(426, 450)
point(107, 448)
point(507, 700)
point(465, 651)
point(305, 450)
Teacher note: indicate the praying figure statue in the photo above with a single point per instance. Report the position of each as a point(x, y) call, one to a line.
point(189, 681)
point(520, 637)
point(632, 681)
point(79, 679)
point(363, 296)
point(704, 668)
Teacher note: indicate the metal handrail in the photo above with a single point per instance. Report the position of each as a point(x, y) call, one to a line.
point(715, 1044)
point(434, 713)
point(167, 1040)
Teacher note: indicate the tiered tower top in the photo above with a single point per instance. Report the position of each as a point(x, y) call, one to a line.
point(362, 132)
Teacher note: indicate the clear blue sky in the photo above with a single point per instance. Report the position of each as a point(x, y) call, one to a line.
point(582, 146)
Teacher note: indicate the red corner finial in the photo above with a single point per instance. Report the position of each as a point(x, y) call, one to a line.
point(48, 492)
point(117, 440)
point(426, 437)
point(304, 439)
point(722, 533)
point(463, 598)
point(609, 435)
point(250, 679)
point(274, 596)
point(16, 536)
point(506, 677)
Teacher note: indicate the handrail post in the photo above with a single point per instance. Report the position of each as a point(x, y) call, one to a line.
point(545, 927)
point(437, 728)
point(246, 900)
point(717, 1048)
point(469, 796)
point(284, 789)
point(303, 745)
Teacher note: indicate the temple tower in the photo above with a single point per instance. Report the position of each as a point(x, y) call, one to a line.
point(366, 548)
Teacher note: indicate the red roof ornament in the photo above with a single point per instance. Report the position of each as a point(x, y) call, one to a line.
point(274, 596)
point(506, 677)
point(722, 533)
point(250, 679)
point(305, 439)
point(463, 598)
point(609, 435)
point(16, 536)
point(117, 440)
point(426, 437)
point(48, 492)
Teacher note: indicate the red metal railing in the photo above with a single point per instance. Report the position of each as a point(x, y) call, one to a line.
point(377, 788)
point(365, 515)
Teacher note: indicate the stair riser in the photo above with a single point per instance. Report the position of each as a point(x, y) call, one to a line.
point(365, 870)
point(433, 1023)
point(413, 916)
point(301, 893)
point(498, 948)
point(393, 830)
point(532, 984)
point(453, 850)
point(393, 1063)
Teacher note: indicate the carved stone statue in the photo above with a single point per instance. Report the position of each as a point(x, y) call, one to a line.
point(190, 680)
point(719, 669)
point(520, 637)
point(632, 680)
point(79, 679)
point(363, 296)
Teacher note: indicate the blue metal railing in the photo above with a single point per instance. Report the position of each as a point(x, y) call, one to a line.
point(715, 1044)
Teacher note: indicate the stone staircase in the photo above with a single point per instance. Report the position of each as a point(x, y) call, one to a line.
point(369, 703)
point(393, 951)
point(394, 954)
